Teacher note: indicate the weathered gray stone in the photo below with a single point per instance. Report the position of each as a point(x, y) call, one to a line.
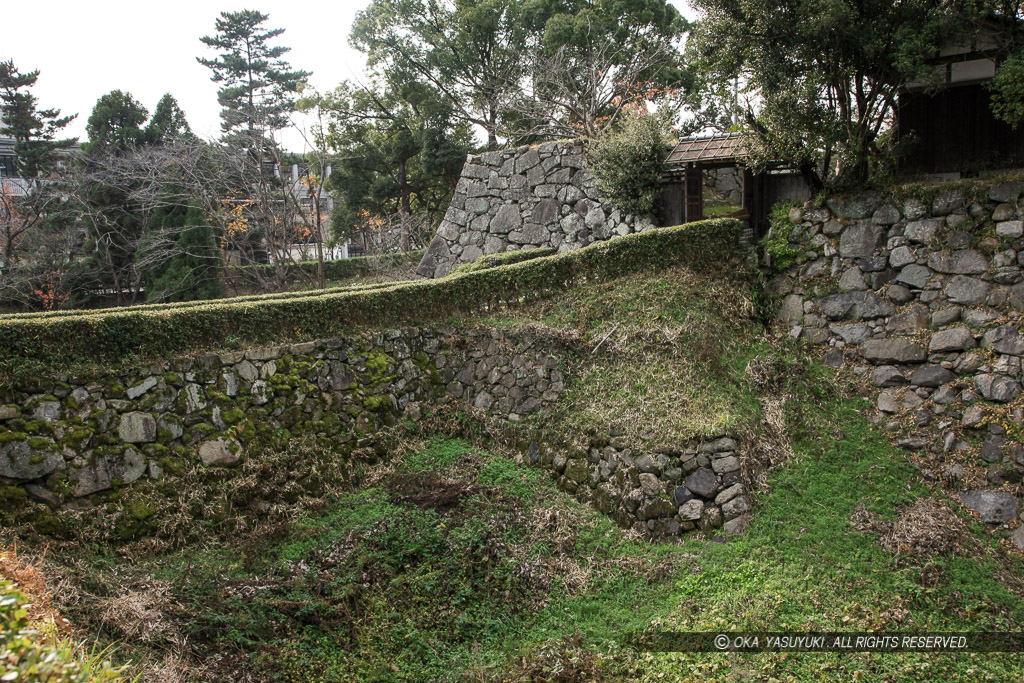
point(854, 333)
point(47, 411)
point(507, 219)
point(952, 339)
point(650, 484)
point(947, 201)
point(703, 483)
point(1006, 192)
point(483, 401)
point(792, 310)
point(9, 412)
point(137, 428)
point(735, 507)
point(893, 351)
point(724, 444)
point(20, 461)
point(433, 263)
point(931, 376)
point(1004, 339)
point(855, 306)
point(992, 505)
point(141, 388)
point(728, 494)
point(886, 215)
point(735, 527)
point(961, 262)
point(729, 463)
point(967, 290)
point(99, 473)
point(546, 212)
point(531, 233)
point(853, 280)
point(945, 316)
point(922, 231)
point(888, 376)
point(853, 208)
point(691, 510)
point(998, 388)
point(860, 240)
point(914, 275)
point(219, 452)
point(1010, 228)
point(899, 294)
point(901, 256)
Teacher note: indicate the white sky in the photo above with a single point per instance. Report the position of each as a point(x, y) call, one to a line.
point(84, 50)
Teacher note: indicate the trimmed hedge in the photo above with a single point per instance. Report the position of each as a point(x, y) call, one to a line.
point(502, 259)
point(117, 335)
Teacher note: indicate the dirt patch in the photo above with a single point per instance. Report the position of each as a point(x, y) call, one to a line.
point(429, 491)
point(926, 527)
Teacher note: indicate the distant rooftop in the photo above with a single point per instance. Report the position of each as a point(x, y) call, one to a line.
point(715, 149)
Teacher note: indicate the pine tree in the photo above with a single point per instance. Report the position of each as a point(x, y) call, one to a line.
point(258, 85)
point(34, 130)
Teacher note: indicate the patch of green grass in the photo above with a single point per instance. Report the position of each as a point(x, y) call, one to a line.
point(439, 454)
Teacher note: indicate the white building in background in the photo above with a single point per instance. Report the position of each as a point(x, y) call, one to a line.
point(306, 250)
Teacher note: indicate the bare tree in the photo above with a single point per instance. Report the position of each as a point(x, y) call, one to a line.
point(575, 92)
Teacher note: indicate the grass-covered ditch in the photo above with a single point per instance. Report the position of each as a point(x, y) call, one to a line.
point(451, 562)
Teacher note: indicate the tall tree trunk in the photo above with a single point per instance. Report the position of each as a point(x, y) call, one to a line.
point(406, 210)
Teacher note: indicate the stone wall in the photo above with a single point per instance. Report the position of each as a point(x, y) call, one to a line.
point(74, 441)
point(726, 182)
point(526, 198)
point(922, 296)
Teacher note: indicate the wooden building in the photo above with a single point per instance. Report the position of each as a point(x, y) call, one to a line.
point(948, 121)
point(684, 181)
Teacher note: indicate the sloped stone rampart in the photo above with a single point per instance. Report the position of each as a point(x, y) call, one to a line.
point(526, 198)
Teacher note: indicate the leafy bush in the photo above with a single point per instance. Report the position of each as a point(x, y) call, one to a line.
point(1008, 92)
point(628, 165)
point(33, 657)
point(775, 244)
point(117, 335)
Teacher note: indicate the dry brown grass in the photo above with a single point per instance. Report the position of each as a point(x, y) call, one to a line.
point(28, 577)
point(925, 527)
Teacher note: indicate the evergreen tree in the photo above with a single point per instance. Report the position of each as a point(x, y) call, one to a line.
point(115, 124)
point(167, 123)
point(114, 223)
point(34, 130)
point(259, 86)
point(182, 261)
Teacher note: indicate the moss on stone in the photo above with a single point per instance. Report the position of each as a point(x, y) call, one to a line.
point(12, 498)
point(11, 436)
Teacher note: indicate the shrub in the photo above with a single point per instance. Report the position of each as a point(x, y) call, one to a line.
point(628, 165)
point(117, 335)
point(775, 244)
point(33, 657)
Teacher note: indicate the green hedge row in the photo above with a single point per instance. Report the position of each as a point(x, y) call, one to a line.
point(502, 258)
point(333, 270)
point(116, 335)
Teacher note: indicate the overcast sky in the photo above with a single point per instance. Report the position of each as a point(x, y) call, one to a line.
point(84, 50)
